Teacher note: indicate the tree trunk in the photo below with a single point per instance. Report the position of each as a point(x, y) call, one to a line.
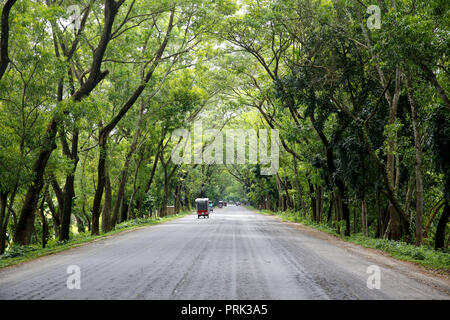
point(442, 224)
point(10, 211)
point(178, 198)
point(89, 224)
point(130, 213)
point(319, 203)
point(345, 212)
point(106, 213)
point(330, 208)
point(4, 36)
point(380, 215)
point(27, 214)
point(55, 217)
point(299, 188)
point(3, 203)
point(280, 193)
point(100, 186)
point(364, 226)
point(120, 193)
point(69, 187)
point(4, 227)
point(396, 226)
point(155, 164)
point(420, 202)
point(312, 196)
point(187, 203)
point(123, 211)
point(408, 197)
point(289, 201)
point(59, 197)
point(435, 211)
point(44, 224)
point(163, 210)
point(80, 224)
point(338, 211)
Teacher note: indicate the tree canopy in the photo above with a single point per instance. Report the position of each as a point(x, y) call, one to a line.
point(91, 93)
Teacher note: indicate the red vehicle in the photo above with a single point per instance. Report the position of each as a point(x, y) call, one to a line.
point(202, 205)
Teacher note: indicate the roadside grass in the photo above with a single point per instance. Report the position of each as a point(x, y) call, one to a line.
point(18, 254)
point(423, 255)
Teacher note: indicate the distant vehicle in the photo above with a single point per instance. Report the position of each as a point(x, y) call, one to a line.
point(225, 204)
point(202, 205)
point(220, 204)
point(238, 203)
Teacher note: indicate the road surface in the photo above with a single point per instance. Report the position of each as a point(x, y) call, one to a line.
point(236, 254)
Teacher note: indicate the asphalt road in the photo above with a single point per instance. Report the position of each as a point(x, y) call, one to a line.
point(236, 254)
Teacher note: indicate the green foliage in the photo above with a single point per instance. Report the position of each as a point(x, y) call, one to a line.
point(422, 255)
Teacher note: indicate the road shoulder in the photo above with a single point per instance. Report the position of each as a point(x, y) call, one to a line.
point(436, 278)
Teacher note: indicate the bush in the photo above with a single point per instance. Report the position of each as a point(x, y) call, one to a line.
point(18, 251)
point(424, 255)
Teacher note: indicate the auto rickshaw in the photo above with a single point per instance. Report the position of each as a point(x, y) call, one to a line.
point(220, 204)
point(202, 205)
